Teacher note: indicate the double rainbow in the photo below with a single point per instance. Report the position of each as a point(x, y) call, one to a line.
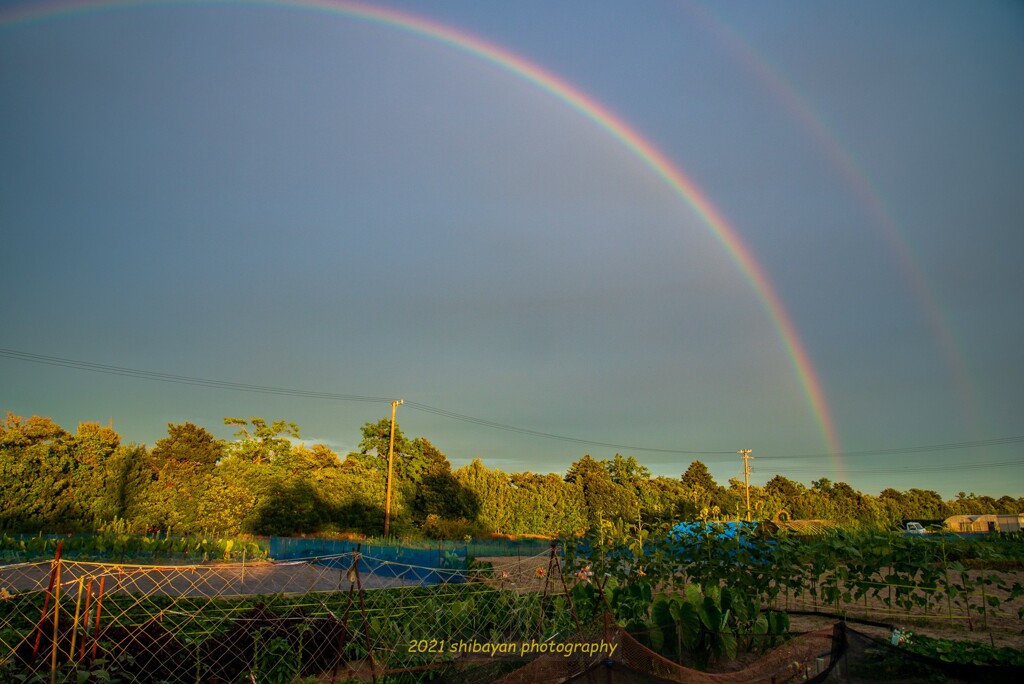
point(570, 95)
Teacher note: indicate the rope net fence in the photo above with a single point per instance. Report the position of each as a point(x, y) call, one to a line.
point(341, 616)
point(349, 617)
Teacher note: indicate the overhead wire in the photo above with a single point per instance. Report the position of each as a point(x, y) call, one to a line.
point(452, 415)
point(948, 446)
point(334, 396)
point(973, 465)
point(547, 435)
point(183, 379)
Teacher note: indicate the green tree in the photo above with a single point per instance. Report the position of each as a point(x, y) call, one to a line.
point(494, 495)
point(697, 476)
point(125, 481)
point(547, 505)
point(93, 448)
point(790, 497)
point(604, 500)
point(699, 491)
point(187, 450)
point(373, 449)
point(182, 482)
point(359, 497)
point(37, 477)
point(260, 442)
point(660, 500)
point(422, 482)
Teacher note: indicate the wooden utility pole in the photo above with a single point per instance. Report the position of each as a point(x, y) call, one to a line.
point(391, 455)
point(745, 453)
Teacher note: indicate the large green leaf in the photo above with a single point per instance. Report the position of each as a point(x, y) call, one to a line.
point(710, 615)
point(688, 622)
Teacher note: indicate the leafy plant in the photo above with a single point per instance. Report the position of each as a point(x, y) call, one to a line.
point(964, 652)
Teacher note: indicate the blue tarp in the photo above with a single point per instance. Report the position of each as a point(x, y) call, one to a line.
point(722, 530)
point(443, 564)
point(744, 535)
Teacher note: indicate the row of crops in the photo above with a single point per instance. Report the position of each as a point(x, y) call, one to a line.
point(884, 575)
point(120, 547)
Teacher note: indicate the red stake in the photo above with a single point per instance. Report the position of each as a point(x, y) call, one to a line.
point(46, 601)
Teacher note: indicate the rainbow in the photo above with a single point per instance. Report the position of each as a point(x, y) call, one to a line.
point(593, 110)
point(848, 169)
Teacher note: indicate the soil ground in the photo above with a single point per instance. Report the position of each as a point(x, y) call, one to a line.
point(197, 580)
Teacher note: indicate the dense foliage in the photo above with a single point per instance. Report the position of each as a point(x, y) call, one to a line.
point(706, 592)
point(266, 481)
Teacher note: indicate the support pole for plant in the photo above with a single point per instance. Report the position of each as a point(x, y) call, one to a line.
point(96, 628)
point(362, 607)
point(46, 601)
point(348, 607)
point(984, 603)
point(74, 623)
point(56, 623)
point(85, 621)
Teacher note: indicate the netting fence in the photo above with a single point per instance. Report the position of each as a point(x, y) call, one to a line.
point(344, 617)
point(347, 615)
point(352, 616)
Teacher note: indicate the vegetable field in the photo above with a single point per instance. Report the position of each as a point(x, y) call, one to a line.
point(701, 599)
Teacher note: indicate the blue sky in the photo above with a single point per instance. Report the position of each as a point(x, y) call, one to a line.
point(291, 198)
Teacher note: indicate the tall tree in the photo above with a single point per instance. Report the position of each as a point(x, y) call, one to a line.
point(548, 505)
point(37, 477)
point(183, 482)
point(127, 476)
point(494, 495)
point(187, 450)
point(605, 501)
point(93, 447)
point(697, 476)
point(700, 491)
point(261, 442)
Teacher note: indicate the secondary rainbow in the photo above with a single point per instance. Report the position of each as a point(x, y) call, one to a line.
point(852, 173)
point(570, 95)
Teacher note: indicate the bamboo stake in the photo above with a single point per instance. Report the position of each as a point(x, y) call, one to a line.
point(46, 601)
point(96, 628)
point(74, 624)
point(56, 622)
point(85, 622)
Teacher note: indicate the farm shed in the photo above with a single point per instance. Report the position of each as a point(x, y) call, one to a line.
point(985, 523)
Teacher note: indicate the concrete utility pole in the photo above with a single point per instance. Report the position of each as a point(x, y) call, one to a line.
point(391, 455)
point(745, 453)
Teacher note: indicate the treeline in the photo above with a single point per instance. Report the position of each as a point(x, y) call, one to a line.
point(264, 483)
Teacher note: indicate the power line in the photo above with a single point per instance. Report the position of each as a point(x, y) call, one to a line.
point(913, 469)
point(547, 435)
point(451, 415)
point(333, 396)
point(948, 446)
point(183, 379)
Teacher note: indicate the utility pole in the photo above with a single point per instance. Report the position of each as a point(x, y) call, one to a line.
point(745, 453)
point(391, 455)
